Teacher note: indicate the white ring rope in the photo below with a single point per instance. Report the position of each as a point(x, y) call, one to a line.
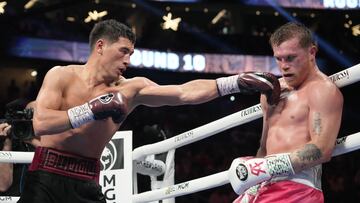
point(341, 79)
point(144, 167)
point(16, 157)
point(151, 167)
point(9, 199)
point(348, 144)
point(343, 145)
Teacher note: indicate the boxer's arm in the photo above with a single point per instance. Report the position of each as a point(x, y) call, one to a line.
point(324, 121)
point(325, 109)
point(262, 148)
point(6, 169)
point(202, 90)
point(48, 119)
point(193, 92)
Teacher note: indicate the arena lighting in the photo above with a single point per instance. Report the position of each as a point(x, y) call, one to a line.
point(218, 16)
point(356, 30)
point(94, 15)
point(30, 4)
point(328, 48)
point(211, 40)
point(170, 23)
point(348, 24)
point(2, 6)
point(70, 19)
point(33, 73)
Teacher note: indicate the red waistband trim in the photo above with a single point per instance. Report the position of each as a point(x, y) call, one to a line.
point(64, 163)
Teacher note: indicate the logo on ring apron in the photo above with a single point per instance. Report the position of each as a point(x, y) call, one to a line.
point(112, 156)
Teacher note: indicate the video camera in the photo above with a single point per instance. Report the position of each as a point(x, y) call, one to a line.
point(20, 120)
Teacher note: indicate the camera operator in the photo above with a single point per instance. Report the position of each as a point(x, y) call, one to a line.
point(11, 176)
point(5, 168)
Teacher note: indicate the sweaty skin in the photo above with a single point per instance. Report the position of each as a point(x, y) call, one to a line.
point(101, 74)
point(305, 123)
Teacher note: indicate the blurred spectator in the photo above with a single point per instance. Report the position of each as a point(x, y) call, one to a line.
point(13, 91)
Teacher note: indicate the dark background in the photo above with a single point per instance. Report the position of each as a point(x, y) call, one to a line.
point(247, 33)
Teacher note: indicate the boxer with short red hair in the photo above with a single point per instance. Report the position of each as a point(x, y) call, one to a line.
point(80, 107)
point(299, 133)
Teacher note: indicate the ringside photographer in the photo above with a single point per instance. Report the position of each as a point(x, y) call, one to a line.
point(16, 134)
point(6, 169)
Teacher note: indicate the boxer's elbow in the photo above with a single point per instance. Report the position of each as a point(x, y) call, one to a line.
point(40, 127)
point(327, 153)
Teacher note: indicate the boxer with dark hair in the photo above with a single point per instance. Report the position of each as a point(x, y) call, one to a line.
point(80, 107)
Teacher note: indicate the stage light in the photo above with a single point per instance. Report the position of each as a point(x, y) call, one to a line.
point(94, 15)
point(33, 73)
point(70, 19)
point(2, 7)
point(218, 16)
point(170, 23)
point(356, 30)
point(30, 4)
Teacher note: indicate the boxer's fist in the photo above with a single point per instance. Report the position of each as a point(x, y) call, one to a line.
point(265, 83)
point(107, 105)
point(247, 172)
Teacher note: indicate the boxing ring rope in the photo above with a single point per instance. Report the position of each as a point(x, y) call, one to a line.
point(344, 145)
point(341, 79)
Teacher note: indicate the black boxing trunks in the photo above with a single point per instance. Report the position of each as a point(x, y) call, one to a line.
point(55, 177)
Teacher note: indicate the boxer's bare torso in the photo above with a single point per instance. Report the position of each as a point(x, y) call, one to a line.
point(72, 90)
point(289, 121)
point(90, 139)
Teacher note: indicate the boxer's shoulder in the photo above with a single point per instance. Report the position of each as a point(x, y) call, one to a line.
point(64, 71)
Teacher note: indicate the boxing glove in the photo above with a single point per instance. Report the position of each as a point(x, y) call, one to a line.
point(245, 173)
point(107, 105)
point(248, 82)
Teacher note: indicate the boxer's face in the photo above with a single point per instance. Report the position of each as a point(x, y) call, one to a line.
point(293, 60)
point(115, 57)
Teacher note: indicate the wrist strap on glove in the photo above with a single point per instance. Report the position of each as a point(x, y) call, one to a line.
point(227, 85)
point(80, 115)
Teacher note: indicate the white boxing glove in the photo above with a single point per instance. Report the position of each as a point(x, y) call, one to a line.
point(245, 173)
